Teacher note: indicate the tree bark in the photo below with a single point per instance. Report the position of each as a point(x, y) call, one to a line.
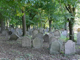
point(50, 25)
point(2, 25)
point(24, 23)
point(71, 35)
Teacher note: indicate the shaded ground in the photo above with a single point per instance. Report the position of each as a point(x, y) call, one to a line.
point(12, 50)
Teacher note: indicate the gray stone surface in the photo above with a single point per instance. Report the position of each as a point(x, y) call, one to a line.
point(4, 33)
point(69, 47)
point(55, 47)
point(14, 36)
point(37, 43)
point(19, 31)
point(57, 33)
point(35, 32)
point(78, 38)
point(26, 41)
point(46, 38)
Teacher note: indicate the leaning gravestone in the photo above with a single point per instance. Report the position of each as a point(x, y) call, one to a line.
point(69, 47)
point(78, 38)
point(19, 31)
point(55, 47)
point(26, 41)
point(14, 36)
point(37, 43)
point(46, 38)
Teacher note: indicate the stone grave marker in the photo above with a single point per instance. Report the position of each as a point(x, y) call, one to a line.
point(19, 31)
point(37, 43)
point(46, 38)
point(57, 33)
point(55, 47)
point(26, 41)
point(69, 47)
point(35, 32)
point(14, 36)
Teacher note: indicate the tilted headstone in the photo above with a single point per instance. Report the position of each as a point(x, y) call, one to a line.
point(26, 41)
point(46, 38)
point(37, 43)
point(55, 47)
point(78, 38)
point(14, 36)
point(19, 31)
point(69, 47)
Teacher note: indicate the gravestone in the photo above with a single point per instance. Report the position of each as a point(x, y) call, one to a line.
point(57, 33)
point(52, 39)
point(35, 32)
point(78, 38)
point(46, 38)
point(30, 31)
point(64, 33)
point(37, 43)
point(55, 47)
point(19, 31)
point(51, 35)
point(26, 41)
point(69, 47)
point(14, 36)
point(41, 30)
point(39, 35)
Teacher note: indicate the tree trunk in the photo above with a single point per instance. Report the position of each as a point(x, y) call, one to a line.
point(71, 33)
point(24, 23)
point(2, 25)
point(50, 25)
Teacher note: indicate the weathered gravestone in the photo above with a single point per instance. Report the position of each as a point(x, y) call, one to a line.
point(19, 31)
point(51, 35)
point(30, 31)
point(57, 33)
point(39, 35)
point(69, 47)
point(35, 32)
point(55, 47)
point(78, 38)
point(46, 38)
point(14, 36)
point(26, 41)
point(37, 43)
point(41, 30)
point(52, 39)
